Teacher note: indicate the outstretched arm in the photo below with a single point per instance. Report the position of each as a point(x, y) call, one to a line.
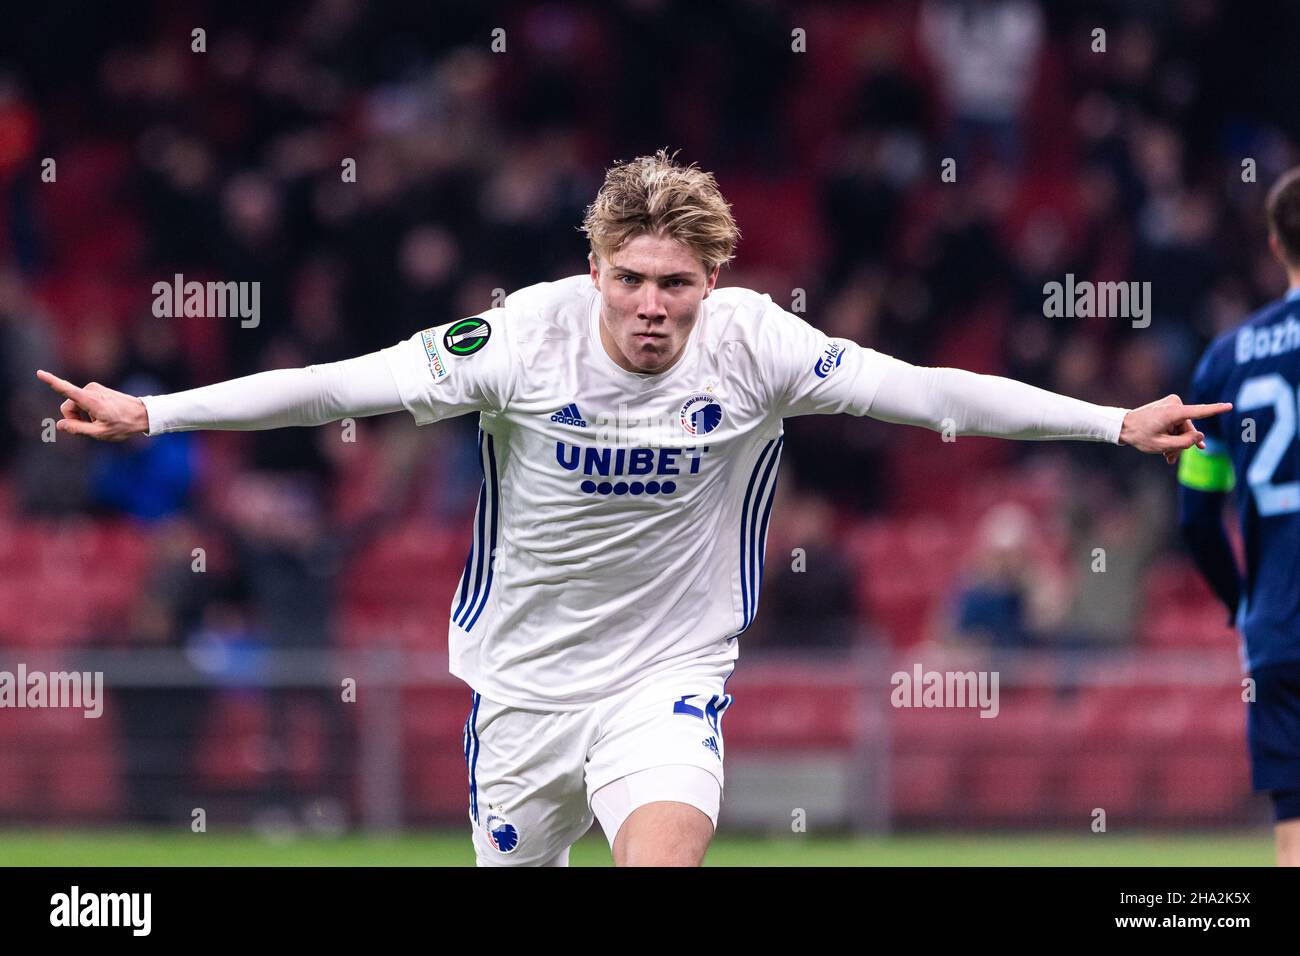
point(437, 373)
point(813, 374)
point(973, 404)
point(314, 395)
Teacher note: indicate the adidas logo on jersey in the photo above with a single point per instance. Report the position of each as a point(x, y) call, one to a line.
point(569, 415)
point(712, 744)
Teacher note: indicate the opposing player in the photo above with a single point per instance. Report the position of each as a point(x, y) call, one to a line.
point(630, 435)
point(1257, 367)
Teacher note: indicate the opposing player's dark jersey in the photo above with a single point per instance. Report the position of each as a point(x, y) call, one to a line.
point(1256, 449)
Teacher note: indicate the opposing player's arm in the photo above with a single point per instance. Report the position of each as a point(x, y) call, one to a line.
point(434, 374)
point(816, 374)
point(1205, 477)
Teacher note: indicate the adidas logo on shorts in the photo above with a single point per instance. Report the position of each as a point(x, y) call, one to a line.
point(569, 415)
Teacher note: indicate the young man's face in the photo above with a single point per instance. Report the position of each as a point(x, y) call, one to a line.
point(650, 292)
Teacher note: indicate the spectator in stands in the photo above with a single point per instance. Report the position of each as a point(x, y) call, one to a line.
point(144, 478)
point(159, 722)
point(1113, 541)
point(986, 55)
point(1000, 593)
point(291, 558)
point(808, 585)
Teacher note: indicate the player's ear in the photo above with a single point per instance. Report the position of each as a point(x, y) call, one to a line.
point(712, 280)
point(594, 264)
point(1275, 246)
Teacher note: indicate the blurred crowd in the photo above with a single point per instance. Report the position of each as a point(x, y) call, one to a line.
point(480, 132)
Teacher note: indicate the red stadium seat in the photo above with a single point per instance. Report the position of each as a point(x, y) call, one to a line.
point(17, 795)
point(1005, 786)
point(1160, 716)
point(233, 745)
point(1220, 716)
point(919, 730)
point(1115, 782)
point(923, 786)
point(792, 716)
point(1203, 785)
point(85, 783)
point(436, 783)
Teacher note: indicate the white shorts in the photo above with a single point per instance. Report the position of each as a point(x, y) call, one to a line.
point(533, 774)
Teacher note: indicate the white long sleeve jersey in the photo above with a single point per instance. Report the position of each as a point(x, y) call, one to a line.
point(621, 523)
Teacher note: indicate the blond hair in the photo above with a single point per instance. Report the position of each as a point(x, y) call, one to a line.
point(656, 195)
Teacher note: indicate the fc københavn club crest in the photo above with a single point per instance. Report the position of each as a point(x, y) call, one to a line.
point(501, 833)
point(701, 414)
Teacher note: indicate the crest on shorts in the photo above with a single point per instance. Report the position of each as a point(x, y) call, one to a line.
point(501, 833)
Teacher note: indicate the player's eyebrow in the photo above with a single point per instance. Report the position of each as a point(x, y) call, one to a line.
point(671, 275)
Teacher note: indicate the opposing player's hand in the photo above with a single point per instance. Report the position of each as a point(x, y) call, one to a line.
point(1165, 427)
point(97, 411)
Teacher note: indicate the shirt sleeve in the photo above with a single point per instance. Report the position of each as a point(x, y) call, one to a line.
point(814, 374)
point(280, 398)
point(968, 403)
point(449, 370)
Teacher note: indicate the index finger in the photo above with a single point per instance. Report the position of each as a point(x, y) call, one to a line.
point(62, 386)
point(1205, 411)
